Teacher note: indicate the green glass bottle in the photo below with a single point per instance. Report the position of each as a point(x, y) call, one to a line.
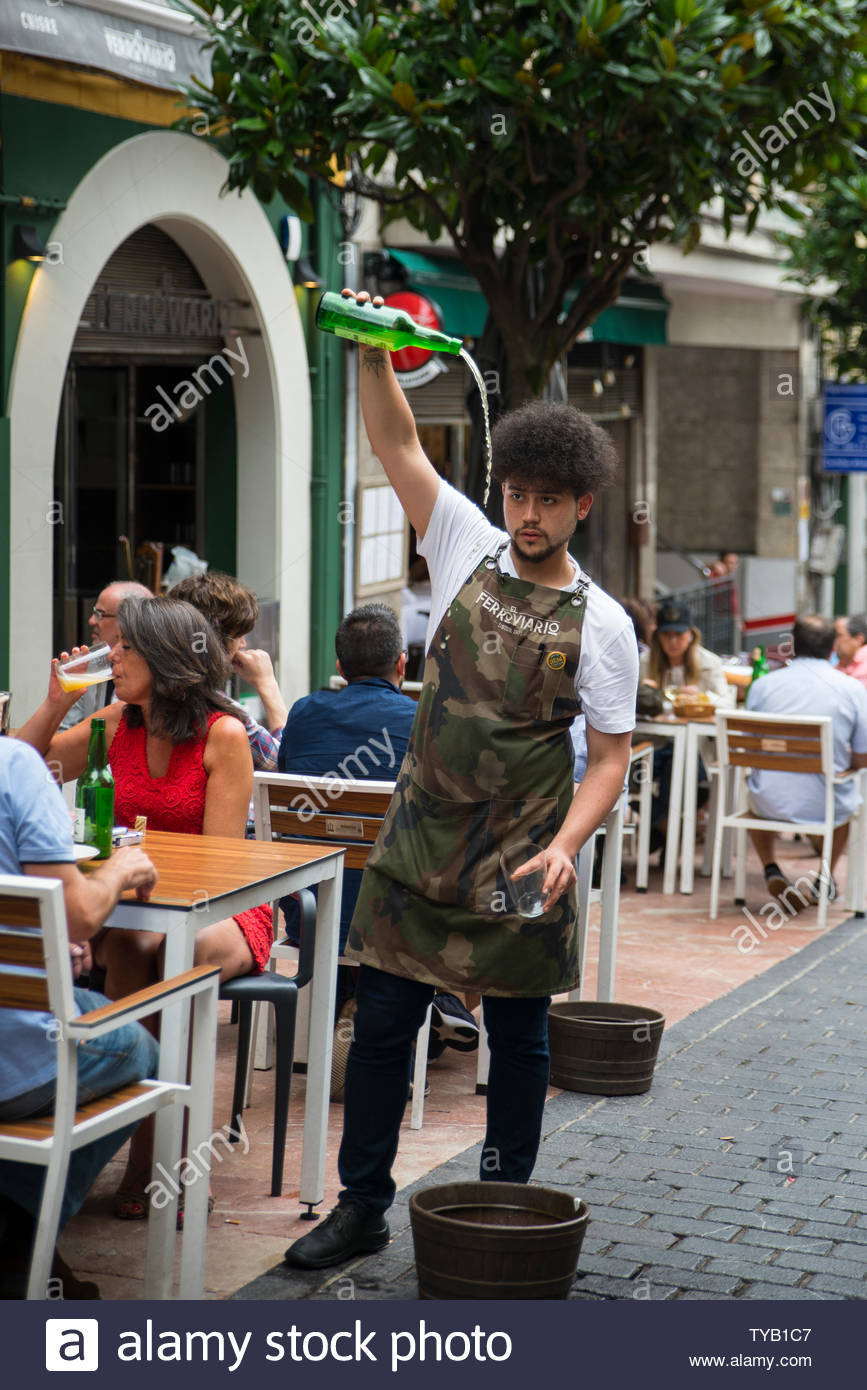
point(94, 796)
point(387, 328)
point(760, 666)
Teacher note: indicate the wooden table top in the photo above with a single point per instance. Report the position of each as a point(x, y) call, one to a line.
point(194, 867)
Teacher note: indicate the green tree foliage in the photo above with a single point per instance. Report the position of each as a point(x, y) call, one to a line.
point(552, 142)
point(833, 248)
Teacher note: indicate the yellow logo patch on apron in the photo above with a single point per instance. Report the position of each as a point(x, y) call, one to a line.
point(556, 660)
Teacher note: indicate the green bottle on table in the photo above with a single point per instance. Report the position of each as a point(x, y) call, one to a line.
point(760, 666)
point(386, 328)
point(94, 796)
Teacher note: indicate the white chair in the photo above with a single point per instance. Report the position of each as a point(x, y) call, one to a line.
point(345, 815)
point(36, 975)
point(782, 743)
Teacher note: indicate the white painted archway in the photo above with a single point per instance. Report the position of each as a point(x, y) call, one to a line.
point(172, 181)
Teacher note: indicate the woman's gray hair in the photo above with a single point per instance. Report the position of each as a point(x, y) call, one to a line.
point(187, 663)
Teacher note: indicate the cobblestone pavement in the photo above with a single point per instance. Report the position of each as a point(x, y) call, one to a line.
point(688, 1186)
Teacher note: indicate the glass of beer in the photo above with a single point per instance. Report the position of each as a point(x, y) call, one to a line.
point(88, 668)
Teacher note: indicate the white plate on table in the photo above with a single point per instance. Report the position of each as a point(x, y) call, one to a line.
point(81, 852)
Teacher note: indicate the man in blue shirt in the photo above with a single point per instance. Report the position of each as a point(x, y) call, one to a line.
point(36, 838)
point(809, 686)
point(361, 732)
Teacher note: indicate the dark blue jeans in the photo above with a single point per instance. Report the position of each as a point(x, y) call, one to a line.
point(115, 1059)
point(391, 1010)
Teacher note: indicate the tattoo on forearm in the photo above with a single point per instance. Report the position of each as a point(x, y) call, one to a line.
point(373, 360)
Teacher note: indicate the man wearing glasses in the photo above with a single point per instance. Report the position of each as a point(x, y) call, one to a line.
point(103, 628)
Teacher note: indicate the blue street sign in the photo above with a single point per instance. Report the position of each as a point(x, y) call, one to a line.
point(844, 428)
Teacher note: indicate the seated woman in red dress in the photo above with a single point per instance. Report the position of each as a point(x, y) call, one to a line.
point(180, 756)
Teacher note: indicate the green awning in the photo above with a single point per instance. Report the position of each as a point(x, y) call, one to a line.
point(639, 315)
point(448, 282)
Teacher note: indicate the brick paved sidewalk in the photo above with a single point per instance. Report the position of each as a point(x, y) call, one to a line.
point(684, 1186)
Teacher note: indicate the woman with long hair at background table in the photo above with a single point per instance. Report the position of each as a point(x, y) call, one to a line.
point(676, 659)
point(180, 756)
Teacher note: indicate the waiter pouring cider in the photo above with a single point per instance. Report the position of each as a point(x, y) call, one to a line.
point(519, 643)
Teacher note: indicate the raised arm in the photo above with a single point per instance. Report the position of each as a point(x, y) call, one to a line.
point(392, 433)
point(256, 669)
point(65, 752)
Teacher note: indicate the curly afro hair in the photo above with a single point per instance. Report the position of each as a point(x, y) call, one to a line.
point(554, 444)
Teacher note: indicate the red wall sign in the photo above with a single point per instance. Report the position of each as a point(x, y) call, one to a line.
point(416, 366)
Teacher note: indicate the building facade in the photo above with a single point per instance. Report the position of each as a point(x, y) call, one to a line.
point(156, 376)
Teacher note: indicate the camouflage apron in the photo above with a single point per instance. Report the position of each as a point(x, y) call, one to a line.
point(492, 725)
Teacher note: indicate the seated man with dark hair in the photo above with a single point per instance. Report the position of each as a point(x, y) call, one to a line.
point(361, 733)
point(809, 685)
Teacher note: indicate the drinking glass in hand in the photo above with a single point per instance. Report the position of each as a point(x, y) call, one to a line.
point(524, 886)
point(88, 668)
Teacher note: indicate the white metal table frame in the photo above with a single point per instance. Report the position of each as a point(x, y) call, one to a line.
point(682, 803)
point(652, 728)
point(695, 732)
point(179, 926)
point(608, 895)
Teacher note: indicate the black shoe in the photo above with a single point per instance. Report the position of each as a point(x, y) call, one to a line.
point(452, 1024)
point(348, 1230)
point(776, 882)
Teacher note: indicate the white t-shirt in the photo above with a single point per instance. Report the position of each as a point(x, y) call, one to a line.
point(459, 535)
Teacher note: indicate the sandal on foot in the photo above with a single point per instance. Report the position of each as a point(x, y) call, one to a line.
point(131, 1204)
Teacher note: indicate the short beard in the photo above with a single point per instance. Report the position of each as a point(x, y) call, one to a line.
point(537, 556)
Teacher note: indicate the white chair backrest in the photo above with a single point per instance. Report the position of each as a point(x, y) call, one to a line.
point(778, 743)
point(35, 972)
point(411, 688)
point(321, 810)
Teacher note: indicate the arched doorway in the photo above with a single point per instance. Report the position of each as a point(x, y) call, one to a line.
point(170, 182)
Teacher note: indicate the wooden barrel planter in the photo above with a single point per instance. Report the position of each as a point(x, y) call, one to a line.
point(603, 1049)
point(477, 1240)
